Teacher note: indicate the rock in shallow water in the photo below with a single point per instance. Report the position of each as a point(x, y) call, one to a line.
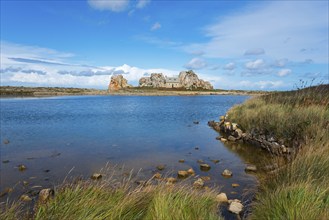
point(25, 198)
point(96, 176)
point(204, 167)
point(221, 197)
point(251, 168)
point(161, 167)
point(191, 171)
point(21, 167)
point(198, 183)
point(182, 174)
point(227, 173)
point(235, 206)
point(45, 194)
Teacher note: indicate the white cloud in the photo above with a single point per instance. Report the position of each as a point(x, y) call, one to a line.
point(257, 64)
point(142, 3)
point(111, 5)
point(196, 63)
point(155, 26)
point(261, 84)
point(268, 25)
point(30, 69)
point(284, 72)
point(229, 66)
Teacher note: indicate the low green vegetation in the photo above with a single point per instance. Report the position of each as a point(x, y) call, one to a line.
point(109, 200)
point(300, 189)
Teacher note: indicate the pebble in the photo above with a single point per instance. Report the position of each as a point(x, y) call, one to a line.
point(96, 176)
point(161, 167)
point(21, 167)
point(198, 183)
point(251, 168)
point(182, 174)
point(25, 198)
point(204, 167)
point(221, 197)
point(227, 173)
point(191, 171)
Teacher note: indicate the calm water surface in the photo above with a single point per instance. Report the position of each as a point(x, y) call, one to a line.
point(53, 135)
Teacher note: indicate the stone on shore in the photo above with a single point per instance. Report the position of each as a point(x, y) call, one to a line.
point(191, 171)
point(25, 198)
point(182, 174)
point(157, 176)
point(171, 180)
point(223, 139)
point(251, 168)
point(231, 138)
point(221, 198)
point(198, 183)
point(235, 206)
point(45, 194)
point(96, 176)
point(204, 167)
point(227, 173)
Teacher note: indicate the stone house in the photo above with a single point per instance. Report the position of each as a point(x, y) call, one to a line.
point(173, 82)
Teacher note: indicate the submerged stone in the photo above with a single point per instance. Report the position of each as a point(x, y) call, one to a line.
point(215, 161)
point(181, 160)
point(5, 141)
point(234, 185)
point(161, 167)
point(5, 161)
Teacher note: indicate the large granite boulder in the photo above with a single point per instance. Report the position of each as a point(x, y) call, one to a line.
point(190, 80)
point(156, 80)
point(118, 82)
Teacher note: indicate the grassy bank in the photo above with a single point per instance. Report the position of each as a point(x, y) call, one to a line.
point(110, 199)
point(299, 190)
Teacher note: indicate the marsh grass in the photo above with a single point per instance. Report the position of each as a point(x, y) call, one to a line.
point(300, 189)
point(112, 198)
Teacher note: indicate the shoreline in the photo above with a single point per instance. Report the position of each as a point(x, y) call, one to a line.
point(22, 92)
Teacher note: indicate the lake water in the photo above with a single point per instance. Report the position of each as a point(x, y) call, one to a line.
point(52, 136)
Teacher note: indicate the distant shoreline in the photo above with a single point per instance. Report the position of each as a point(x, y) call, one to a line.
point(21, 91)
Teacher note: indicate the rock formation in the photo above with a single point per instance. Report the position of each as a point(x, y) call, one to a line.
point(118, 82)
point(156, 80)
point(186, 79)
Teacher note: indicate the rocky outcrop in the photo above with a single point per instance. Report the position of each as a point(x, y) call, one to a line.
point(186, 79)
point(118, 82)
point(156, 80)
point(190, 80)
point(255, 137)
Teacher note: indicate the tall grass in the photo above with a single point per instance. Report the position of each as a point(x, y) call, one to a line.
point(300, 189)
point(110, 199)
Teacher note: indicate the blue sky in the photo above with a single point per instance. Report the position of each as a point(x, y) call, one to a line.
point(267, 45)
